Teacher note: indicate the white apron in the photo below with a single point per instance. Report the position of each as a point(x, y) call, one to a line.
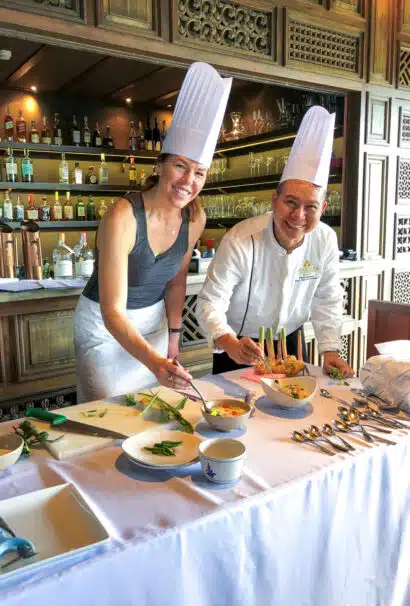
point(104, 367)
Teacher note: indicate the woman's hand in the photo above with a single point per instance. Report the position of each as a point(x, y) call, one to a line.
point(170, 375)
point(173, 345)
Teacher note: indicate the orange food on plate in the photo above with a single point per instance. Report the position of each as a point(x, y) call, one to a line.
point(289, 366)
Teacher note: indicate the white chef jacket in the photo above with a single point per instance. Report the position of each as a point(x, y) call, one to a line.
point(287, 288)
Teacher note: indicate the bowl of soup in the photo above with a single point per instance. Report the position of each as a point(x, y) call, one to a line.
point(290, 393)
point(11, 446)
point(227, 414)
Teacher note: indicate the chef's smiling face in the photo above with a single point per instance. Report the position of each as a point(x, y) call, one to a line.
point(297, 207)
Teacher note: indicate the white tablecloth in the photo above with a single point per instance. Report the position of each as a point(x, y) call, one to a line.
point(299, 528)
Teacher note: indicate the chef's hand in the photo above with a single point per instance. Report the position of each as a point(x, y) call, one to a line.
point(173, 346)
point(170, 375)
point(242, 351)
point(332, 358)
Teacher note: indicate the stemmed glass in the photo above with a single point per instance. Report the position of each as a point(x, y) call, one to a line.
point(224, 162)
point(251, 162)
point(258, 161)
point(268, 161)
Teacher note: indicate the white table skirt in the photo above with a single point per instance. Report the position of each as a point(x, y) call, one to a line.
point(299, 528)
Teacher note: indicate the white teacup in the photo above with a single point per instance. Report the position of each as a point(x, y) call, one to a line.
point(222, 459)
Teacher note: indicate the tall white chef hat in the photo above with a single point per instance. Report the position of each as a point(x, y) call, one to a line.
point(198, 114)
point(309, 159)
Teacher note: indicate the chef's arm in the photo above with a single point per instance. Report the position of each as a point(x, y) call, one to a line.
point(176, 288)
point(115, 240)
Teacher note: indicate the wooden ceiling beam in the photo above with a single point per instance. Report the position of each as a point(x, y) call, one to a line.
point(28, 65)
point(69, 84)
point(138, 80)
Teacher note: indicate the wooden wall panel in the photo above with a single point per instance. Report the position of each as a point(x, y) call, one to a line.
point(374, 207)
point(70, 10)
point(405, 16)
point(128, 15)
point(381, 55)
point(378, 119)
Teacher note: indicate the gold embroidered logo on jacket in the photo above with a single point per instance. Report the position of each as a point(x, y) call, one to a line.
point(307, 272)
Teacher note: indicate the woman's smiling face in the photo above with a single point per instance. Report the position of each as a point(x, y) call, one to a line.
point(180, 180)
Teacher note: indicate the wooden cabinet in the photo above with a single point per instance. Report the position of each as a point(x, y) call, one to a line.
point(140, 16)
point(71, 10)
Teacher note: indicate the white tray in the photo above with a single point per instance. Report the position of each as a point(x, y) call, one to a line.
point(57, 520)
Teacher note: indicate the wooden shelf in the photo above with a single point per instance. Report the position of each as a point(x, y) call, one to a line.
point(254, 183)
point(80, 153)
point(84, 188)
point(333, 221)
point(57, 225)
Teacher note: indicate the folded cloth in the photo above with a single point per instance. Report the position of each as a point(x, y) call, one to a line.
point(388, 378)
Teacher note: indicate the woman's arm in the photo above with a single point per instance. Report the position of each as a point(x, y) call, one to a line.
point(176, 288)
point(115, 240)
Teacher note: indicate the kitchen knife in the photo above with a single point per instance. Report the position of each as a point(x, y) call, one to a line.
point(59, 421)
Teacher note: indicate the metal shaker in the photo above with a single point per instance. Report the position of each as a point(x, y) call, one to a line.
point(8, 251)
point(33, 259)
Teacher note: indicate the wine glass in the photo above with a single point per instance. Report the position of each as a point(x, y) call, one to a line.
point(251, 162)
point(268, 161)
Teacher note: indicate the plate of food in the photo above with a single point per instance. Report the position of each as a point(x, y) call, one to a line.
point(293, 392)
point(163, 449)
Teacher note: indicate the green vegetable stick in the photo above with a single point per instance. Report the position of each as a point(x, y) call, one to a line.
point(284, 348)
point(262, 339)
point(269, 344)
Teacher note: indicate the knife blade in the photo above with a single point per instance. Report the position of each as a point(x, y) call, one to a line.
point(62, 422)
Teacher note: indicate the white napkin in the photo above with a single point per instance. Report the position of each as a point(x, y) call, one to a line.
point(388, 378)
point(398, 350)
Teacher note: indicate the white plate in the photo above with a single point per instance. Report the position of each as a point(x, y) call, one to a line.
point(185, 454)
point(57, 520)
point(164, 468)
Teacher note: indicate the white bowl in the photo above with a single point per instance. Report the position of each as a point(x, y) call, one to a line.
point(11, 446)
point(282, 400)
point(227, 423)
point(222, 459)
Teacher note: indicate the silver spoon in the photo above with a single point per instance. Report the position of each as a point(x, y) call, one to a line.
point(326, 394)
point(328, 430)
point(299, 437)
point(351, 416)
point(375, 414)
point(191, 383)
point(315, 432)
point(377, 418)
point(343, 426)
point(276, 385)
point(372, 397)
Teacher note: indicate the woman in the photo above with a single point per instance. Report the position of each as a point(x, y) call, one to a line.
point(128, 320)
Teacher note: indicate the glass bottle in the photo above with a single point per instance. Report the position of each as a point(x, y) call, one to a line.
point(57, 132)
point(132, 172)
point(32, 210)
point(44, 211)
point(108, 141)
point(62, 259)
point(46, 268)
point(77, 174)
point(156, 135)
point(68, 210)
point(8, 206)
point(27, 174)
point(80, 210)
point(8, 125)
point(19, 210)
point(1, 210)
point(102, 208)
point(97, 140)
point(63, 173)
point(21, 128)
point(86, 133)
point(91, 176)
point(141, 138)
point(103, 170)
point(75, 132)
point(163, 132)
point(34, 135)
point(148, 135)
point(132, 137)
point(143, 177)
point(84, 258)
point(11, 167)
point(90, 210)
point(45, 133)
point(57, 209)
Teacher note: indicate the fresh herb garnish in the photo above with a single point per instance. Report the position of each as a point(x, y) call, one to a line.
point(165, 448)
point(337, 375)
point(94, 413)
point(30, 436)
point(129, 400)
point(172, 412)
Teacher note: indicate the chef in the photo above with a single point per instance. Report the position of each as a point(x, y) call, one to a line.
point(280, 269)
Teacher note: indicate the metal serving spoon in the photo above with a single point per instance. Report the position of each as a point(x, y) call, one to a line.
point(350, 415)
point(195, 388)
point(369, 437)
point(372, 397)
point(329, 431)
point(377, 418)
point(326, 394)
point(299, 437)
point(316, 433)
point(375, 414)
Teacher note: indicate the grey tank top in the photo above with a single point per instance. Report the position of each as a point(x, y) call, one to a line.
point(148, 274)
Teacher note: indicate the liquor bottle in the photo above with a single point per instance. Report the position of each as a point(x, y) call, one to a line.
point(32, 210)
point(77, 174)
point(108, 141)
point(86, 133)
point(63, 173)
point(45, 133)
point(56, 209)
point(132, 137)
point(163, 132)
point(90, 210)
point(27, 175)
point(143, 178)
point(62, 259)
point(80, 210)
point(11, 167)
point(102, 208)
point(75, 133)
point(68, 210)
point(21, 129)
point(84, 258)
point(91, 177)
point(44, 211)
point(97, 140)
point(8, 126)
point(148, 135)
point(103, 170)
point(140, 136)
point(1, 211)
point(57, 132)
point(156, 137)
point(132, 172)
point(46, 268)
point(34, 135)
point(7, 206)
point(19, 210)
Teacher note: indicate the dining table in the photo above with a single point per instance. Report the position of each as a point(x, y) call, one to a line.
point(299, 528)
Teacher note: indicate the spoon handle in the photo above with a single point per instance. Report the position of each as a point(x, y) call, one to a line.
point(366, 435)
point(380, 429)
point(334, 445)
point(345, 442)
point(322, 448)
point(380, 439)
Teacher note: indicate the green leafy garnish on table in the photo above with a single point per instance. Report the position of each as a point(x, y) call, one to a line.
point(172, 412)
point(30, 436)
point(337, 375)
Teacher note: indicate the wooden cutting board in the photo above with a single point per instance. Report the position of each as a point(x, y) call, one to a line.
point(124, 419)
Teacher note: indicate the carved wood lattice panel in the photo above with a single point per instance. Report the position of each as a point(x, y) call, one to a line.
point(12, 411)
point(349, 5)
point(404, 69)
point(66, 9)
point(322, 47)
point(403, 181)
point(225, 24)
point(191, 333)
point(405, 129)
point(403, 235)
point(345, 351)
point(347, 287)
point(401, 287)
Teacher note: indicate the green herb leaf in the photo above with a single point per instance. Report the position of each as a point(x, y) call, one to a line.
point(129, 399)
point(30, 436)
